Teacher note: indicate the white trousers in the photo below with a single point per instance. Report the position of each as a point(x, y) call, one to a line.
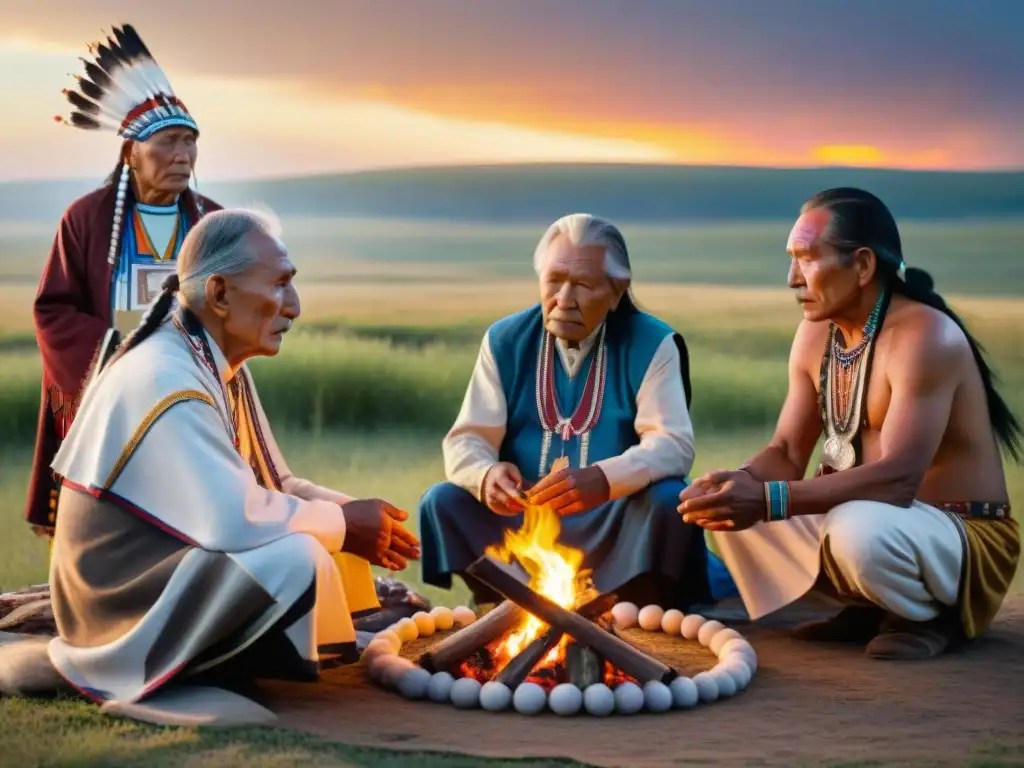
point(906, 560)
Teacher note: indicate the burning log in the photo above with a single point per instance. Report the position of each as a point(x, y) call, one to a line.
point(520, 666)
point(456, 648)
point(630, 660)
point(459, 646)
point(584, 666)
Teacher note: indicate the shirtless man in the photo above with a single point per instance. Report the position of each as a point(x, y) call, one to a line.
point(907, 521)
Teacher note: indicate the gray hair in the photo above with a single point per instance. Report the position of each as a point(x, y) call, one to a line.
point(219, 245)
point(584, 229)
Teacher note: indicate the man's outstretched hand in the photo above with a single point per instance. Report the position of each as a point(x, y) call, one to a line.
point(570, 491)
point(374, 532)
point(501, 488)
point(723, 501)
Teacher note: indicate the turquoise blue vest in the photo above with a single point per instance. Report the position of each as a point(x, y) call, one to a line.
point(630, 343)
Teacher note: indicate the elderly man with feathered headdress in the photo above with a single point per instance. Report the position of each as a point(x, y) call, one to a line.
point(115, 245)
point(582, 376)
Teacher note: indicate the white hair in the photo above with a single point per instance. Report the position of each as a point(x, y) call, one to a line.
point(583, 229)
point(219, 244)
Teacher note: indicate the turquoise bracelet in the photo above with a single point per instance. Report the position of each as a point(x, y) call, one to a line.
point(776, 496)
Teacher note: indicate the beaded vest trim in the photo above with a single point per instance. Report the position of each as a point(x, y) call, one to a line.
point(587, 412)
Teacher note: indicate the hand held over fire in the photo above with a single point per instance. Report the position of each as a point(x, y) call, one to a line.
point(374, 531)
point(502, 489)
point(723, 500)
point(571, 491)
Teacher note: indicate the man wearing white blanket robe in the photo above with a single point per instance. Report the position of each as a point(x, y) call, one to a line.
point(184, 546)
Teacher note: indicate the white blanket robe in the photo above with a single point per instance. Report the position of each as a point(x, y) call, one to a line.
point(187, 477)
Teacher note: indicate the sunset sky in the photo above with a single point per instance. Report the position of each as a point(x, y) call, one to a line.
point(282, 88)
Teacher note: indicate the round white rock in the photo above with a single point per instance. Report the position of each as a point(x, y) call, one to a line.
point(390, 669)
point(440, 688)
point(529, 699)
point(650, 617)
point(466, 693)
point(708, 630)
point(495, 696)
point(657, 696)
point(726, 685)
point(389, 637)
point(565, 699)
point(721, 638)
point(684, 693)
point(691, 626)
point(599, 700)
point(424, 623)
point(737, 670)
point(672, 621)
point(629, 698)
point(625, 615)
point(406, 630)
point(740, 649)
point(707, 687)
point(443, 618)
point(379, 648)
point(414, 683)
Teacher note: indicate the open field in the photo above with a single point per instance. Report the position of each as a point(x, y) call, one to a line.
point(967, 257)
point(367, 384)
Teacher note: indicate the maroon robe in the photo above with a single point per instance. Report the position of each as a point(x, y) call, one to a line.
point(72, 314)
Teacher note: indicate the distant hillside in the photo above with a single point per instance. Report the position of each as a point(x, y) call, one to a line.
point(538, 193)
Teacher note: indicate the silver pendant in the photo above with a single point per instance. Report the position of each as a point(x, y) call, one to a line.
point(838, 454)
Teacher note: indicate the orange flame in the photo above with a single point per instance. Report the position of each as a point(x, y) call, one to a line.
point(554, 571)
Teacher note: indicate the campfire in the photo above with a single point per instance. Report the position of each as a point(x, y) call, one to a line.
point(512, 645)
point(552, 639)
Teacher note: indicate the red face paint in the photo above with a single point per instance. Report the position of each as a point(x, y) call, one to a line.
point(808, 229)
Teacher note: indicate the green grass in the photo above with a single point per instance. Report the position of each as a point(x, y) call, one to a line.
point(397, 466)
point(975, 257)
point(361, 403)
point(69, 733)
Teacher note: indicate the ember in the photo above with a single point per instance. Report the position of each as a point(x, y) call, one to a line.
point(481, 666)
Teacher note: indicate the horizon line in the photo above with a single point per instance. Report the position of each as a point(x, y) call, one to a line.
point(498, 165)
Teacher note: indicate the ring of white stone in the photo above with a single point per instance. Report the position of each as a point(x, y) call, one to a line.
point(736, 666)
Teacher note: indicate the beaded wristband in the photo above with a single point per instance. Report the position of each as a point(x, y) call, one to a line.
point(776, 496)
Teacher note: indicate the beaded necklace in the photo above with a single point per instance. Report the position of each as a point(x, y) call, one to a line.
point(587, 412)
point(843, 389)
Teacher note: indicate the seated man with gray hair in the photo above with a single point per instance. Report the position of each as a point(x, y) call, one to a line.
point(584, 375)
point(183, 543)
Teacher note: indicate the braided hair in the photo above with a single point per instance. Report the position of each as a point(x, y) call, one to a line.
point(156, 314)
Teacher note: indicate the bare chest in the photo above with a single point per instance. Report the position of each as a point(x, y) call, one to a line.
point(859, 394)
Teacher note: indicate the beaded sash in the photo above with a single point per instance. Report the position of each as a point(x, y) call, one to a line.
point(587, 412)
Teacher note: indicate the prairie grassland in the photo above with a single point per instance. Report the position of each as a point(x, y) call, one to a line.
point(367, 384)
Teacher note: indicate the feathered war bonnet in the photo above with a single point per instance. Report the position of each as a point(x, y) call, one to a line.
point(124, 91)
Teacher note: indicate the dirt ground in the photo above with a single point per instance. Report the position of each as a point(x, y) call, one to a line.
point(807, 704)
